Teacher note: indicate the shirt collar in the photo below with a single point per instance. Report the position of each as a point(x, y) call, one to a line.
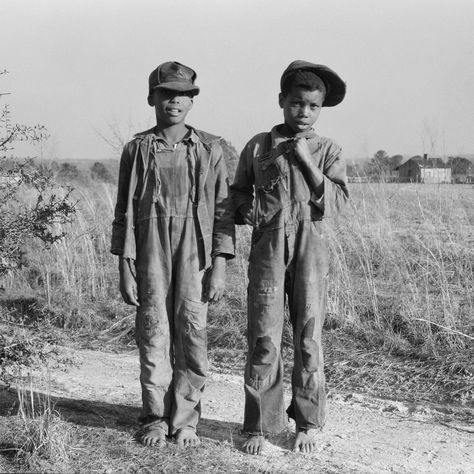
point(190, 138)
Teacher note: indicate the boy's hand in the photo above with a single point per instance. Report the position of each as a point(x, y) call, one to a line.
point(302, 152)
point(128, 285)
point(247, 216)
point(313, 175)
point(214, 283)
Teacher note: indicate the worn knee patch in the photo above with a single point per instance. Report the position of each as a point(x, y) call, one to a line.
point(309, 348)
point(263, 357)
point(146, 323)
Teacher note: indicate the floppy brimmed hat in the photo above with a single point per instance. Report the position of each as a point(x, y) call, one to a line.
point(174, 76)
point(335, 86)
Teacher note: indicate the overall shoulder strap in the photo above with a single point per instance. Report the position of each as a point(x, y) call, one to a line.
point(267, 143)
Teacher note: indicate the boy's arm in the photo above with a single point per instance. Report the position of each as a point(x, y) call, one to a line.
point(328, 186)
point(128, 287)
point(223, 231)
point(242, 188)
point(118, 224)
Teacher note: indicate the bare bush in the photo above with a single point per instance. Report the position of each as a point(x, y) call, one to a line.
point(32, 205)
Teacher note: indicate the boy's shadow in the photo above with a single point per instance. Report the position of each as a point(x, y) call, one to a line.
point(92, 413)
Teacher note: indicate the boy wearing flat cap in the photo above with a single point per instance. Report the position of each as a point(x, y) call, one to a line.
point(287, 182)
point(173, 231)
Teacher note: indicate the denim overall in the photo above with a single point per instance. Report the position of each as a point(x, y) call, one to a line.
point(171, 318)
point(172, 216)
point(288, 260)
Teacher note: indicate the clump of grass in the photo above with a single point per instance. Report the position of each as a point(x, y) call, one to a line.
point(39, 437)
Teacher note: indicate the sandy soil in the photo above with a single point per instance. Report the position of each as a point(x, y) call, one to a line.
point(362, 435)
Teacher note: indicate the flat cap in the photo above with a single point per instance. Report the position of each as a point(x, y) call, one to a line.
point(174, 76)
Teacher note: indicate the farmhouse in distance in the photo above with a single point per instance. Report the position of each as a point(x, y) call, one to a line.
point(417, 169)
point(424, 170)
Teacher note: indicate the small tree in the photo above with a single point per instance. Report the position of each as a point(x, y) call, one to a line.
point(100, 172)
point(395, 160)
point(48, 203)
point(68, 172)
point(460, 165)
point(378, 166)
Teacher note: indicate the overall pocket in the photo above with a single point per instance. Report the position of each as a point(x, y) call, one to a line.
point(268, 195)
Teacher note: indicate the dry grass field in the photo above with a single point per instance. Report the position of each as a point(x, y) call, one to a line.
point(400, 322)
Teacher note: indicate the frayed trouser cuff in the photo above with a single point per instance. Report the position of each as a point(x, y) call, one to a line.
point(152, 421)
point(253, 433)
point(307, 428)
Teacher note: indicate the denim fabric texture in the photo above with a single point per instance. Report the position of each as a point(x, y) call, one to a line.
point(288, 261)
point(173, 214)
point(212, 203)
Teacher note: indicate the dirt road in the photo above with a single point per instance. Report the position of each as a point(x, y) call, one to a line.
point(362, 435)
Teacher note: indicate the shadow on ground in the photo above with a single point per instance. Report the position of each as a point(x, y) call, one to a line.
point(92, 413)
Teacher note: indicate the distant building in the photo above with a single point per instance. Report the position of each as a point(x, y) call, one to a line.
point(424, 170)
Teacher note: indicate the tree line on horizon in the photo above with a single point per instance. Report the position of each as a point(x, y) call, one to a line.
point(382, 164)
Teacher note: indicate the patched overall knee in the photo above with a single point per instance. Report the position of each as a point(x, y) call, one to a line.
point(309, 348)
point(263, 358)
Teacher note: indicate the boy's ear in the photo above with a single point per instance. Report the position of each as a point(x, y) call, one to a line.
point(150, 101)
point(281, 99)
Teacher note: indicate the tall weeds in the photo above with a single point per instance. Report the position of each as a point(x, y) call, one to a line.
point(401, 271)
point(403, 258)
point(78, 274)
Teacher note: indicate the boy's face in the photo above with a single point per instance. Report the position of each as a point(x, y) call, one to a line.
point(301, 108)
point(171, 107)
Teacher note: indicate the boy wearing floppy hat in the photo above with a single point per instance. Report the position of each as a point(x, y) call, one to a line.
point(287, 182)
point(173, 231)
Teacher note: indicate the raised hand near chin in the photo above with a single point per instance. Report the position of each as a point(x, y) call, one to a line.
point(302, 151)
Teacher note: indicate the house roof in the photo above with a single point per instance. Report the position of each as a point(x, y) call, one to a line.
point(426, 163)
point(433, 163)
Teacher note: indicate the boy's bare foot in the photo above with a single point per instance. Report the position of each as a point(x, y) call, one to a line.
point(254, 444)
point(153, 436)
point(187, 437)
point(305, 441)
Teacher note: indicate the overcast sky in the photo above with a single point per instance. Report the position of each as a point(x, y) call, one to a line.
point(78, 65)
